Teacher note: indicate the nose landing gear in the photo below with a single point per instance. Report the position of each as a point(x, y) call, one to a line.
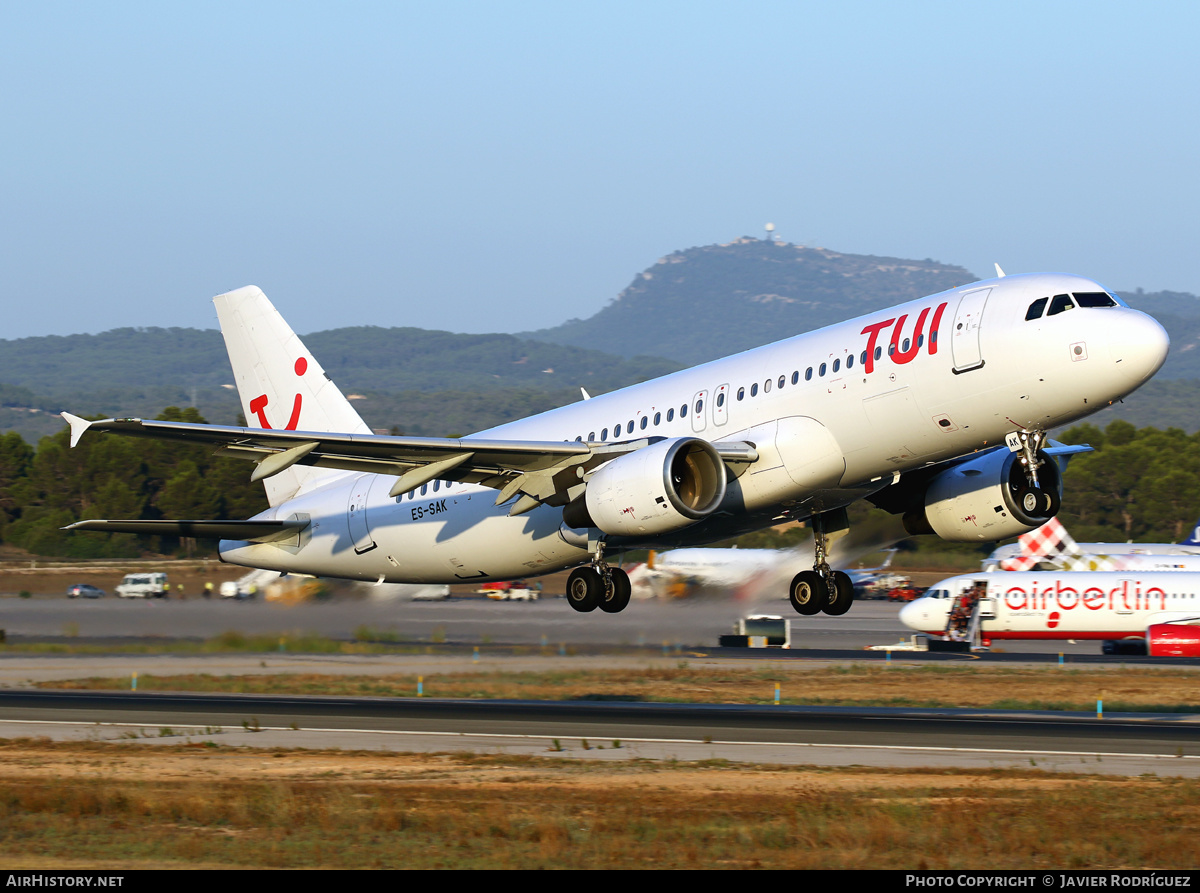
point(1034, 498)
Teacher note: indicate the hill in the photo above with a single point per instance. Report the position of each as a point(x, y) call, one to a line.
point(704, 303)
point(691, 306)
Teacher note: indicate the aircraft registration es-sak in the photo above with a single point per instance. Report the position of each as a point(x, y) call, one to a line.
point(935, 410)
point(1162, 608)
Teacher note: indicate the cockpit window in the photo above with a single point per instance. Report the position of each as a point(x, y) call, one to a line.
point(1094, 299)
point(1037, 308)
point(1061, 303)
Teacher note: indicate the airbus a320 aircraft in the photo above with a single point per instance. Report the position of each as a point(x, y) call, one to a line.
point(1160, 607)
point(935, 409)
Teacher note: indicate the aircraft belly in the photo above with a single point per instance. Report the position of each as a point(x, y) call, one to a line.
point(454, 537)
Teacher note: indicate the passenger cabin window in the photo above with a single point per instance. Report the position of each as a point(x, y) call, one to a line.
point(604, 434)
point(1036, 309)
point(1094, 299)
point(808, 374)
point(850, 361)
point(591, 436)
point(657, 418)
point(741, 393)
point(767, 386)
point(683, 411)
point(671, 414)
point(782, 379)
point(645, 422)
point(796, 377)
point(1061, 303)
point(754, 390)
point(821, 371)
point(629, 427)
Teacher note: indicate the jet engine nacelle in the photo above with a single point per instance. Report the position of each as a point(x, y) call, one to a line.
point(1173, 640)
point(988, 498)
point(663, 487)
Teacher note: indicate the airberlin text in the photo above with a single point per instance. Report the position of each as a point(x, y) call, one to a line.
point(1127, 595)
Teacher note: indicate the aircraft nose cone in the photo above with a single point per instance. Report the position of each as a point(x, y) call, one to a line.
point(1141, 347)
point(912, 614)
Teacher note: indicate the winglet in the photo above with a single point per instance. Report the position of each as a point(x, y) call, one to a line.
point(586, 395)
point(999, 272)
point(78, 426)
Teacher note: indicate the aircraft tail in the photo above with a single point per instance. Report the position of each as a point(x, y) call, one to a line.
point(1193, 538)
point(1048, 544)
point(281, 385)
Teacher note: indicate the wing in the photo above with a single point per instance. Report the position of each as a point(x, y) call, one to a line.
point(252, 531)
point(550, 472)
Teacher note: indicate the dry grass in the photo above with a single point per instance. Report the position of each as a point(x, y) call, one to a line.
point(116, 805)
point(1042, 688)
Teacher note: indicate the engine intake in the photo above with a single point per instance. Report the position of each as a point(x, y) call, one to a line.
point(657, 489)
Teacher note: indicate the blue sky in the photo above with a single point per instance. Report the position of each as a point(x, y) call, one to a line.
point(504, 167)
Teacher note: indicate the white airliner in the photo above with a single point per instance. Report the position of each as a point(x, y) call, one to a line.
point(745, 571)
point(1163, 608)
point(909, 407)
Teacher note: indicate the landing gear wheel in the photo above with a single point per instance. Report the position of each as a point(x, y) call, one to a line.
point(616, 595)
point(808, 593)
point(584, 589)
point(843, 594)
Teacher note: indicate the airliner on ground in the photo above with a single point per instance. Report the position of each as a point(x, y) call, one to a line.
point(1161, 607)
point(745, 572)
point(935, 410)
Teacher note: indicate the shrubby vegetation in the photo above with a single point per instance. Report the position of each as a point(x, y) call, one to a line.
point(114, 477)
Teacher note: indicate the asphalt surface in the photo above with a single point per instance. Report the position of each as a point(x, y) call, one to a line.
point(481, 635)
point(797, 735)
point(691, 623)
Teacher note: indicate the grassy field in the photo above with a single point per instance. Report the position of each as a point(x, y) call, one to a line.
point(122, 806)
point(914, 685)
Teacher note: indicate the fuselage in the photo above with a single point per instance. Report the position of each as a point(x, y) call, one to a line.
point(834, 414)
point(1068, 605)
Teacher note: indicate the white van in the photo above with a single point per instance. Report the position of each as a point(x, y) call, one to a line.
point(143, 586)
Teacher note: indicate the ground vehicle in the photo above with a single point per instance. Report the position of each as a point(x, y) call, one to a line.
point(904, 591)
point(511, 591)
point(143, 586)
point(85, 590)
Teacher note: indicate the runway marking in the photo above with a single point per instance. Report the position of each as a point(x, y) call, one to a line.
point(723, 743)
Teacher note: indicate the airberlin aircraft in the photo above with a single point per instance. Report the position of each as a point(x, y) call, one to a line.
point(935, 410)
point(1163, 608)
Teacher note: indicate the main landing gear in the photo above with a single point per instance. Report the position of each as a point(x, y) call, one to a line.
point(598, 586)
point(822, 588)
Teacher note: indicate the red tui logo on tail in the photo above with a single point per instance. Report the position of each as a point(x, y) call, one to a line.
point(259, 404)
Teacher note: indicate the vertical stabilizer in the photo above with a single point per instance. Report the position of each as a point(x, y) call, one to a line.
point(281, 385)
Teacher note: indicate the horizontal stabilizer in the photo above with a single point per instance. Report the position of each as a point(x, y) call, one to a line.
point(252, 531)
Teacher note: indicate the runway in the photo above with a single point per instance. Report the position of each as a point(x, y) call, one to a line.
point(1129, 745)
point(690, 623)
